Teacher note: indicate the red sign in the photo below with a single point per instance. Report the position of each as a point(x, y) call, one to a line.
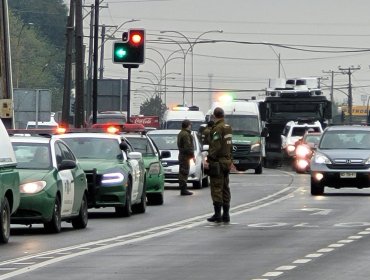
point(147, 121)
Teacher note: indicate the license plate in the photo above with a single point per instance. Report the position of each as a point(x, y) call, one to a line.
point(168, 170)
point(347, 175)
point(235, 161)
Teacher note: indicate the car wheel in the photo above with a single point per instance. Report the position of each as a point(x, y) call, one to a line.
point(126, 210)
point(55, 224)
point(205, 182)
point(5, 221)
point(258, 170)
point(316, 188)
point(199, 184)
point(83, 216)
point(155, 198)
point(141, 207)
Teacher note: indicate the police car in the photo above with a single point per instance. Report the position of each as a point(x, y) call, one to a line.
point(53, 185)
point(166, 140)
point(9, 184)
point(154, 179)
point(115, 172)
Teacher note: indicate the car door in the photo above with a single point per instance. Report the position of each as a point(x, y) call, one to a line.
point(65, 180)
point(136, 175)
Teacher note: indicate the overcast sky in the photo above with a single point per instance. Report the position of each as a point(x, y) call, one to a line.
point(315, 36)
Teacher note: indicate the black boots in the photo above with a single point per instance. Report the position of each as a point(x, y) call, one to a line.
point(184, 189)
point(225, 214)
point(216, 218)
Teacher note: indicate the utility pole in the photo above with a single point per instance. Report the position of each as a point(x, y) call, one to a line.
point(348, 71)
point(79, 101)
point(95, 79)
point(101, 69)
point(68, 65)
point(90, 63)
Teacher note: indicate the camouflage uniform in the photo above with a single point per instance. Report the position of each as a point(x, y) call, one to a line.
point(185, 145)
point(220, 153)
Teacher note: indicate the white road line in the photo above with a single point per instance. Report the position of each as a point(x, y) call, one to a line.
point(336, 245)
point(364, 232)
point(302, 261)
point(313, 256)
point(355, 237)
point(325, 250)
point(272, 274)
point(286, 267)
point(345, 241)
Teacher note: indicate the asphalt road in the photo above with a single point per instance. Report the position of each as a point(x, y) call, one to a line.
point(277, 231)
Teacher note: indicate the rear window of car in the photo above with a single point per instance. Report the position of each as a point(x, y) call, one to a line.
point(300, 131)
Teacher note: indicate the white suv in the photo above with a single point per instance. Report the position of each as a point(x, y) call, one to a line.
point(293, 131)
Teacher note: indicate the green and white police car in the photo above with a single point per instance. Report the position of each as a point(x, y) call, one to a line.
point(115, 172)
point(154, 180)
point(53, 185)
point(9, 184)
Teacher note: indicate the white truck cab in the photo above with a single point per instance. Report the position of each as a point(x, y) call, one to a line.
point(9, 184)
point(172, 119)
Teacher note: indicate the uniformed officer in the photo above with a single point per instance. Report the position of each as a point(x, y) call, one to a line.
point(219, 164)
point(206, 133)
point(185, 145)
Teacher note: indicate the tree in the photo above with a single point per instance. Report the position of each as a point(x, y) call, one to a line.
point(153, 107)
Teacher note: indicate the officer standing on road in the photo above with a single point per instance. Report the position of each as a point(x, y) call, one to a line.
point(206, 133)
point(219, 164)
point(185, 145)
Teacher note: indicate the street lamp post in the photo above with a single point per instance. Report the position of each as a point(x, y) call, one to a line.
point(280, 65)
point(184, 53)
point(191, 49)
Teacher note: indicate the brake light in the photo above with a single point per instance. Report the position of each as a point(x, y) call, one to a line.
point(60, 130)
point(112, 129)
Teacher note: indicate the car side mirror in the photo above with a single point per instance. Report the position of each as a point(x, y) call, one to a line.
point(205, 147)
point(165, 154)
point(67, 164)
point(135, 155)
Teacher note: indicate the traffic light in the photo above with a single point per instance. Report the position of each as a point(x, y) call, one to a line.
point(131, 50)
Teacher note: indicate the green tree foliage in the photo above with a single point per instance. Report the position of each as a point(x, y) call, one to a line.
point(37, 39)
point(153, 107)
point(50, 17)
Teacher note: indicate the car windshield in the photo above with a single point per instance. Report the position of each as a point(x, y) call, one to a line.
point(350, 139)
point(242, 124)
point(167, 141)
point(142, 145)
point(94, 148)
point(32, 155)
point(195, 125)
point(312, 139)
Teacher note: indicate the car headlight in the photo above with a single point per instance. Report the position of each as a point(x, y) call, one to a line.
point(302, 151)
point(112, 179)
point(321, 159)
point(256, 147)
point(368, 161)
point(154, 168)
point(32, 187)
point(290, 148)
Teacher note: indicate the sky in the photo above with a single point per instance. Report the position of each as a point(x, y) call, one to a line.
point(311, 37)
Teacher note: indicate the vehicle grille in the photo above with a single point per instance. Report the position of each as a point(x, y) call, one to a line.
point(240, 151)
point(171, 176)
point(348, 164)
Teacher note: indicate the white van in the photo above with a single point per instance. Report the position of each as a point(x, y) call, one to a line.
point(248, 133)
point(172, 119)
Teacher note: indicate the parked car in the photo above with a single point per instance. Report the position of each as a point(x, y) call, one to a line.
point(154, 180)
point(115, 172)
point(342, 159)
point(166, 140)
point(53, 185)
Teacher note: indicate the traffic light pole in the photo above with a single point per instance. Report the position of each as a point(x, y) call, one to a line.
point(129, 95)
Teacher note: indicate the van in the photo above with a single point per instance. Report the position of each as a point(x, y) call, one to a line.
point(248, 149)
point(172, 119)
point(9, 184)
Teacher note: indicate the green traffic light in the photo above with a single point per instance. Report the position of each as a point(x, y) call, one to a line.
point(120, 53)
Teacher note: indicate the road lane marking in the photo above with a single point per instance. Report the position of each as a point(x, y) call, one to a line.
point(302, 261)
point(313, 255)
point(286, 267)
point(272, 274)
point(325, 250)
point(62, 254)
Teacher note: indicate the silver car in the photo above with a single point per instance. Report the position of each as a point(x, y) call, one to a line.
point(166, 140)
point(342, 159)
